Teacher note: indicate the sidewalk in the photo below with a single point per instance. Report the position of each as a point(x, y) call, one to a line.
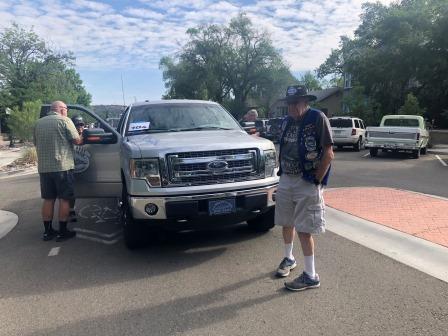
point(8, 156)
point(416, 214)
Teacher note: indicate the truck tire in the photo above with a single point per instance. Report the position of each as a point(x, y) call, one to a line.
point(416, 153)
point(357, 146)
point(423, 151)
point(373, 152)
point(263, 222)
point(133, 232)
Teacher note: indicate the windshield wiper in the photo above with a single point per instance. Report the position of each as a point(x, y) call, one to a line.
point(200, 128)
point(153, 130)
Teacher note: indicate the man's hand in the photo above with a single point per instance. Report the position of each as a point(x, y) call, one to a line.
point(327, 157)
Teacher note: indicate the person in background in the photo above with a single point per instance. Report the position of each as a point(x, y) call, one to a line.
point(78, 121)
point(54, 136)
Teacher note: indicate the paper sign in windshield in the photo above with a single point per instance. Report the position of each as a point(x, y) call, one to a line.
point(138, 126)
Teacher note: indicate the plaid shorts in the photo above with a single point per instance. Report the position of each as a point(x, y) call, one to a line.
point(300, 203)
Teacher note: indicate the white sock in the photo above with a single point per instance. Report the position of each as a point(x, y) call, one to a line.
point(309, 266)
point(288, 251)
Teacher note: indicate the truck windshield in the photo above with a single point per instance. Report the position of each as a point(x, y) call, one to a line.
point(341, 123)
point(401, 122)
point(179, 117)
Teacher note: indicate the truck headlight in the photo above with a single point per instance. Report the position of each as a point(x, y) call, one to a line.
point(270, 162)
point(146, 169)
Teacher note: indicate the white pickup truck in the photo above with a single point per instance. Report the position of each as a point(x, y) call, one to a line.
point(398, 133)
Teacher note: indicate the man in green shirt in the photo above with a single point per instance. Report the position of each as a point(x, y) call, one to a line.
point(54, 136)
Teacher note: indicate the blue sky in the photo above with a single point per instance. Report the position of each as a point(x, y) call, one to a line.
point(125, 39)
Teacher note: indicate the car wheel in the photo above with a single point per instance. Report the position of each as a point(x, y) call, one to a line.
point(263, 222)
point(424, 151)
point(373, 152)
point(416, 154)
point(133, 232)
point(357, 145)
point(339, 147)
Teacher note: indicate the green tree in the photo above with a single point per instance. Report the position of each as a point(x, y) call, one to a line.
point(228, 64)
point(311, 81)
point(22, 120)
point(397, 50)
point(411, 106)
point(29, 71)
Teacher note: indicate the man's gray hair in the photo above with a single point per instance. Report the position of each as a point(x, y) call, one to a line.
point(254, 112)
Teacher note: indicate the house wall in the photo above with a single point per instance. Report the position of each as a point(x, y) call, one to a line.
point(332, 104)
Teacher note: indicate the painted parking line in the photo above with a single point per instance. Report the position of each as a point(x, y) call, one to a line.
point(441, 161)
point(54, 251)
point(365, 155)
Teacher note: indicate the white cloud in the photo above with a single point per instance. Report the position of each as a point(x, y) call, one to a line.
point(138, 36)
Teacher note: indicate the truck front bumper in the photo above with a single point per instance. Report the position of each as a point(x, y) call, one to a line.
point(180, 209)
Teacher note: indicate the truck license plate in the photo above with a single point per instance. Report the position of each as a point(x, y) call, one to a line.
point(221, 207)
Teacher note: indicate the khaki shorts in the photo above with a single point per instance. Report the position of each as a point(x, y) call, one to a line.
point(300, 203)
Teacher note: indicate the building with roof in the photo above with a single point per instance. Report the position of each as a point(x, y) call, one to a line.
point(328, 101)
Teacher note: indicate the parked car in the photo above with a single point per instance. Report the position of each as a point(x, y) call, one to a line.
point(113, 122)
point(399, 133)
point(348, 131)
point(180, 164)
point(250, 127)
point(262, 127)
point(274, 129)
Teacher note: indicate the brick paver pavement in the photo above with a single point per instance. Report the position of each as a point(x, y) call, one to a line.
point(416, 214)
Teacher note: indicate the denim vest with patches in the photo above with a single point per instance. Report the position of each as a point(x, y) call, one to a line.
point(310, 149)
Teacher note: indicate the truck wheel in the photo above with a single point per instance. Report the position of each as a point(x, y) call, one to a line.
point(263, 222)
point(133, 233)
point(416, 154)
point(339, 147)
point(373, 152)
point(357, 145)
point(423, 151)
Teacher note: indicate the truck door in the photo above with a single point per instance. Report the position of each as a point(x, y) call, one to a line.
point(97, 162)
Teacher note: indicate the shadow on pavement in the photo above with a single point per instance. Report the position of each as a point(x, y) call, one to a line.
point(175, 316)
point(27, 269)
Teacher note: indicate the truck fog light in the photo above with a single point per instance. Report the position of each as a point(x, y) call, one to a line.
point(151, 209)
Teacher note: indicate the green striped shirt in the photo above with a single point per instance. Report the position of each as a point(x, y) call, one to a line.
point(53, 137)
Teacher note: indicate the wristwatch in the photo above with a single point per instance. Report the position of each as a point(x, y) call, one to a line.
point(316, 181)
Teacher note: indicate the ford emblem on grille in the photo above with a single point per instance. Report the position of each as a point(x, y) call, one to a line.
point(217, 166)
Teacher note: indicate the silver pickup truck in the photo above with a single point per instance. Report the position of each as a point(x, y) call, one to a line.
point(407, 133)
point(179, 164)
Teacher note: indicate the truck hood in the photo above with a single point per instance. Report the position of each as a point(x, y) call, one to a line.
point(156, 144)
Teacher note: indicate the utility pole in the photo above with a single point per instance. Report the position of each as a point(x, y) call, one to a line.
point(122, 90)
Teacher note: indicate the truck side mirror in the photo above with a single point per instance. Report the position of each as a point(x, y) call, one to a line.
point(98, 136)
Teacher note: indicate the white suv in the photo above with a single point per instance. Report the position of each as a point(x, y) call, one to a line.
point(348, 131)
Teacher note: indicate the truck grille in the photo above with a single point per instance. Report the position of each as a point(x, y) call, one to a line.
point(209, 167)
point(388, 135)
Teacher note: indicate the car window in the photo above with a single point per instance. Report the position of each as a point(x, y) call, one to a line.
point(357, 125)
point(401, 122)
point(179, 117)
point(362, 124)
point(341, 123)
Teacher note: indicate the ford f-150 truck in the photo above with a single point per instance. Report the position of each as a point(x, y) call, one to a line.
point(398, 133)
point(179, 164)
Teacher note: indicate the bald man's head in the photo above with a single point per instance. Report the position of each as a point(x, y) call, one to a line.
point(59, 107)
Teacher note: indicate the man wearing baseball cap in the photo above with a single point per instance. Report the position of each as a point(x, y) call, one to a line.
point(306, 151)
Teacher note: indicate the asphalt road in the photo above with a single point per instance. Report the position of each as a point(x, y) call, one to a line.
point(216, 282)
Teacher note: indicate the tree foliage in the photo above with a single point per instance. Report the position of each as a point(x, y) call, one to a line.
point(236, 65)
point(397, 50)
point(22, 120)
point(411, 106)
point(30, 70)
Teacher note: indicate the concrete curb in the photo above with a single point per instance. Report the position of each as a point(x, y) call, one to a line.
point(18, 172)
point(417, 253)
point(8, 221)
